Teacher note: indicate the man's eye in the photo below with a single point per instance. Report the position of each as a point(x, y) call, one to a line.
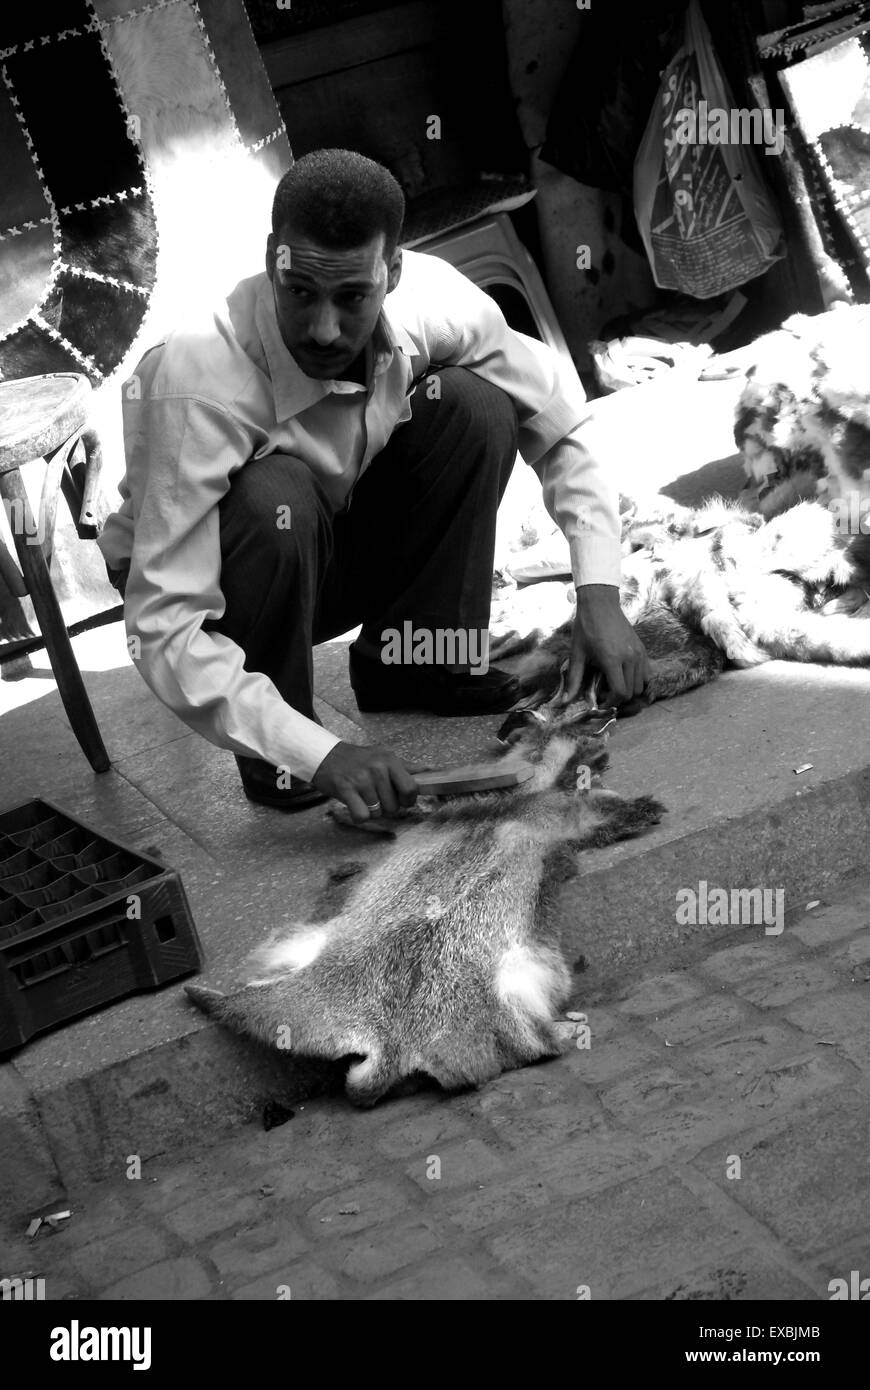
point(354, 297)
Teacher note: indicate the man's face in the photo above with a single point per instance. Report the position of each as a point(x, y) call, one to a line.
point(327, 302)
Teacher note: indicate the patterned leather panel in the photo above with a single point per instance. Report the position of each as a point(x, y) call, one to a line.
point(99, 105)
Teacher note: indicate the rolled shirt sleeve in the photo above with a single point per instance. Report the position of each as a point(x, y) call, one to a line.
point(192, 448)
point(582, 500)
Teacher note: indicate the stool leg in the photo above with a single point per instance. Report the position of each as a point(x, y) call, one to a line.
point(54, 466)
point(53, 629)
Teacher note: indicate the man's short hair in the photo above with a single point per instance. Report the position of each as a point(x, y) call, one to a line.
point(340, 199)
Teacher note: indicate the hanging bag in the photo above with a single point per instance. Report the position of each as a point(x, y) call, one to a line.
point(705, 216)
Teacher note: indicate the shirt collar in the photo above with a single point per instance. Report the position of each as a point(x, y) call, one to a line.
point(292, 389)
point(395, 335)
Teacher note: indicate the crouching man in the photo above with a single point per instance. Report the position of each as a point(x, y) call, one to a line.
point(330, 450)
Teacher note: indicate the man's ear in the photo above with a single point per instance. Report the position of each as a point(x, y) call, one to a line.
point(394, 270)
point(270, 255)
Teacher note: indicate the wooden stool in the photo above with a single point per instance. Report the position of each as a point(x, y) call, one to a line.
point(45, 417)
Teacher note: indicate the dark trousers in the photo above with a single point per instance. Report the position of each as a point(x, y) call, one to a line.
point(417, 541)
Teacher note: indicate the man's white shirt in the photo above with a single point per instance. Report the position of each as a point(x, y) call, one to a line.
point(210, 400)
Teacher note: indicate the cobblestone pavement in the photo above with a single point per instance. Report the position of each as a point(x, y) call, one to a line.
point(711, 1142)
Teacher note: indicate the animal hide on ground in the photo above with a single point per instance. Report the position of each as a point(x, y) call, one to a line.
point(707, 587)
point(445, 959)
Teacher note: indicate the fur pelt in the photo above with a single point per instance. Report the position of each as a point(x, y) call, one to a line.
point(445, 959)
point(712, 586)
point(803, 418)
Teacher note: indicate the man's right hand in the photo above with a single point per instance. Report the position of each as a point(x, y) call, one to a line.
point(370, 781)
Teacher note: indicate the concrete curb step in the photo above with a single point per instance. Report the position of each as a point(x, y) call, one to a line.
point(193, 1089)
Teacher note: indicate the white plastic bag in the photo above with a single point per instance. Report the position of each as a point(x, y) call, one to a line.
point(706, 219)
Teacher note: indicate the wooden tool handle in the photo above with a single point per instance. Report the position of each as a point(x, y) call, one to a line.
point(472, 777)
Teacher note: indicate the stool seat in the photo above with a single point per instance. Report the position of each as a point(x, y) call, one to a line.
point(38, 414)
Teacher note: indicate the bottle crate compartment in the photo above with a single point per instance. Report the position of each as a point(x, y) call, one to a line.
point(84, 920)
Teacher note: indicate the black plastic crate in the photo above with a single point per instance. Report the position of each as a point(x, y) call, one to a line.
point(67, 944)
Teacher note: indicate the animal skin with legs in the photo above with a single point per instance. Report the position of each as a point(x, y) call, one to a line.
point(445, 959)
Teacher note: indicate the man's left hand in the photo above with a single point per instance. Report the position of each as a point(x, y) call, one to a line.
point(603, 637)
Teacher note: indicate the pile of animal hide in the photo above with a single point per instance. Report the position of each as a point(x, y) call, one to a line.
point(704, 588)
point(803, 419)
point(724, 584)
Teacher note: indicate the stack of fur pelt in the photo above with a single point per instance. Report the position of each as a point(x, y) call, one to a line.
point(445, 959)
point(704, 588)
point(724, 584)
point(803, 419)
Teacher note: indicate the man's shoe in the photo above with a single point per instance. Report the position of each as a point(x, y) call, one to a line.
point(379, 687)
point(260, 781)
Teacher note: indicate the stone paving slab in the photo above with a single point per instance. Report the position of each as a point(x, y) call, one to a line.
point(550, 1180)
